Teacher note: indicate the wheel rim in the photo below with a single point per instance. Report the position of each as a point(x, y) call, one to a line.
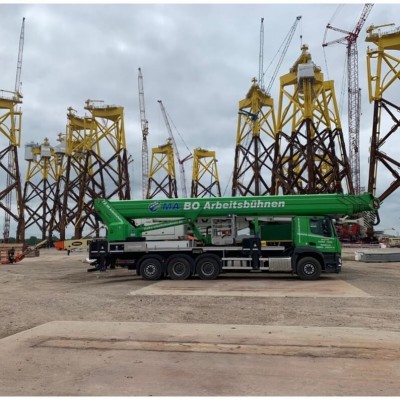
point(208, 268)
point(150, 269)
point(179, 269)
point(309, 269)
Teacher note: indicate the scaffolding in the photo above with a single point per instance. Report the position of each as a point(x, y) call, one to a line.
point(255, 138)
point(205, 180)
point(310, 153)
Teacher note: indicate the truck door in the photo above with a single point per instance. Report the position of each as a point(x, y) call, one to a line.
point(322, 235)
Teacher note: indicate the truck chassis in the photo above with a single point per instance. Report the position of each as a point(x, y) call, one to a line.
point(182, 259)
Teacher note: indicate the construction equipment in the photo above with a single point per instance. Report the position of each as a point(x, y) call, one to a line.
point(353, 102)
point(261, 57)
point(72, 244)
point(263, 233)
point(145, 132)
point(17, 252)
point(284, 46)
point(176, 151)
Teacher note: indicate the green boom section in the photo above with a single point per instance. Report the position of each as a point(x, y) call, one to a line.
point(118, 215)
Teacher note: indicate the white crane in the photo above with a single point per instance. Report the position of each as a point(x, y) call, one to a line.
point(145, 132)
point(261, 56)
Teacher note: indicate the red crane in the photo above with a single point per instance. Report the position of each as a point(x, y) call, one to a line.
point(353, 103)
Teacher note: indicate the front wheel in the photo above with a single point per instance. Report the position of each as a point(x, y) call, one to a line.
point(151, 268)
point(308, 268)
point(208, 266)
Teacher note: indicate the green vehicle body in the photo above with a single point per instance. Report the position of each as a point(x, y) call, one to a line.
point(282, 231)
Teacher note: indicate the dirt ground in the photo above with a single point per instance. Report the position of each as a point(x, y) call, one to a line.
point(56, 287)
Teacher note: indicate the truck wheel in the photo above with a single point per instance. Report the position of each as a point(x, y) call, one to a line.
point(179, 267)
point(308, 268)
point(208, 266)
point(151, 268)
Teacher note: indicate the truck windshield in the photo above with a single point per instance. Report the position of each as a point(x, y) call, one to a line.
point(321, 227)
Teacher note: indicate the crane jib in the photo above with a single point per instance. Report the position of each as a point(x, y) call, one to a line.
point(330, 204)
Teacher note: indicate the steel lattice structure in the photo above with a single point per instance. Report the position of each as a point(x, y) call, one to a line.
point(57, 223)
point(96, 166)
point(162, 175)
point(383, 66)
point(255, 138)
point(10, 130)
point(310, 153)
point(40, 186)
point(205, 180)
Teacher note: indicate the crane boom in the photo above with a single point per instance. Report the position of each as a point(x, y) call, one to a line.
point(286, 44)
point(261, 56)
point(19, 61)
point(353, 102)
point(180, 161)
point(145, 132)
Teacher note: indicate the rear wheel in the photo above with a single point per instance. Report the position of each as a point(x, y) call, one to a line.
point(151, 268)
point(179, 267)
point(208, 266)
point(308, 268)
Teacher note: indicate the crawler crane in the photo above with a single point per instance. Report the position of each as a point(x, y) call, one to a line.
point(354, 111)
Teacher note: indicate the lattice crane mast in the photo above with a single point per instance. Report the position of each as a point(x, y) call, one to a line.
point(145, 132)
point(11, 163)
point(175, 147)
point(353, 103)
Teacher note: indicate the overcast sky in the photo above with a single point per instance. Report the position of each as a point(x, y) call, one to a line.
point(199, 59)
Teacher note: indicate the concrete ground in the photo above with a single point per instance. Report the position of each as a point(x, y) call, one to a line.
point(68, 332)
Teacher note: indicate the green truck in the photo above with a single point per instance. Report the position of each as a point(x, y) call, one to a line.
point(293, 233)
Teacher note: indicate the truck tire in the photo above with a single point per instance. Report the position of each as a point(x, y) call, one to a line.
point(179, 267)
point(151, 268)
point(308, 268)
point(208, 266)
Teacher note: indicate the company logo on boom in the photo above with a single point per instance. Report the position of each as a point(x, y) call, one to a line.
point(233, 204)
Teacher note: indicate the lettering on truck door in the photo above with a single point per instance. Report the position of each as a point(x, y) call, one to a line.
point(321, 234)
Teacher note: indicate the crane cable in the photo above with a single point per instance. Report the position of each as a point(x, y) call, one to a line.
point(334, 15)
point(343, 90)
point(172, 122)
